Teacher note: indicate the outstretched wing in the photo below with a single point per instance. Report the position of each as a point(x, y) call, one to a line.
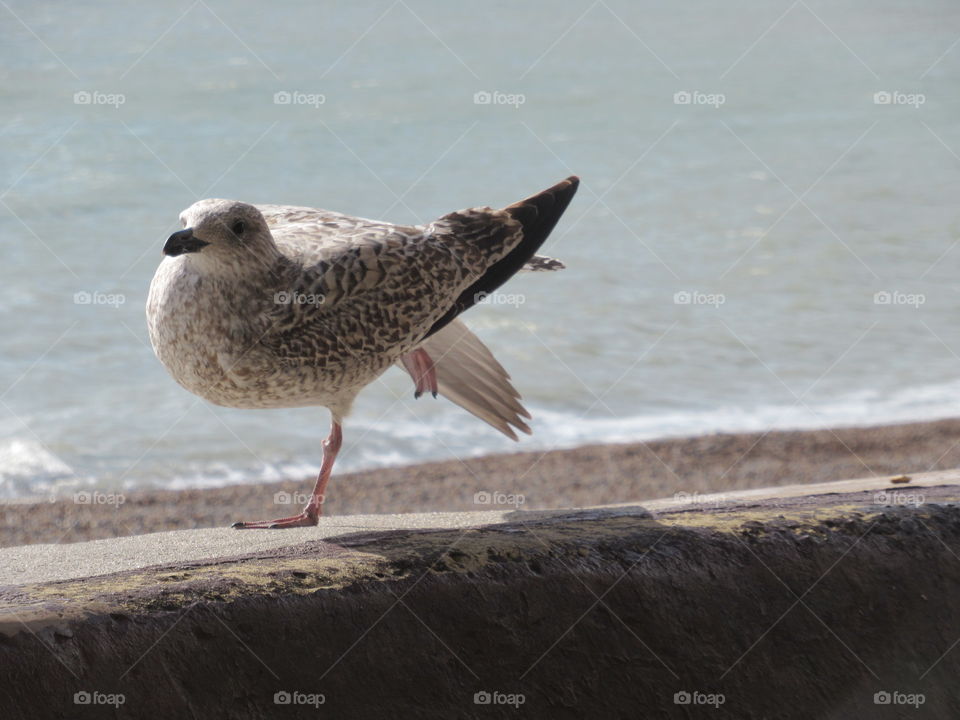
point(469, 375)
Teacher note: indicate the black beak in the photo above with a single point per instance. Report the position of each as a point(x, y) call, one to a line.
point(183, 242)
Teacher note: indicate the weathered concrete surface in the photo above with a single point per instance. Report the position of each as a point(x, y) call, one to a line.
point(799, 602)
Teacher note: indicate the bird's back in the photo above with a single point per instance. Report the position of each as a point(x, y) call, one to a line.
point(312, 236)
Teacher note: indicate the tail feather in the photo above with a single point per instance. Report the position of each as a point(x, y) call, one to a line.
point(542, 263)
point(469, 375)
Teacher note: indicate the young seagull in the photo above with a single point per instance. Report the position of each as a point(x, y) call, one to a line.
point(274, 306)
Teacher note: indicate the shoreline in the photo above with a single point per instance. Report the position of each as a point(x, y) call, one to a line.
point(530, 480)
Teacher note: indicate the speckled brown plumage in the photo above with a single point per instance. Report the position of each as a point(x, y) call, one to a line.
point(277, 306)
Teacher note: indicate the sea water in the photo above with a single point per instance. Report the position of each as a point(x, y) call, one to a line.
point(766, 235)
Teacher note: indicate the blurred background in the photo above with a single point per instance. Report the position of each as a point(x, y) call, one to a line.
point(766, 234)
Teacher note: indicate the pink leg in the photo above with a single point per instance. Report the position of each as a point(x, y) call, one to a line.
point(420, 366)
point(311, 513)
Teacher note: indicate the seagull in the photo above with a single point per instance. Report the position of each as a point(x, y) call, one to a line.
point(276, 306)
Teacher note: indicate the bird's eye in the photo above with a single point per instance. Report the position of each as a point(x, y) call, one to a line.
point(238, 227)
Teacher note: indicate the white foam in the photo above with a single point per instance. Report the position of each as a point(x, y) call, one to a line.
point(27, 467)
point(864, 407)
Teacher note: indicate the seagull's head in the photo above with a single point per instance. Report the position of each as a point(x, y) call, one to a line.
point(222, 232)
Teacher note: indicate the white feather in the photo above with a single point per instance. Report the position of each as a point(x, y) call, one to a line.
point(469, 375)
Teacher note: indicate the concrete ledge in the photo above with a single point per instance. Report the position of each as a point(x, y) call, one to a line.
point(800, 601)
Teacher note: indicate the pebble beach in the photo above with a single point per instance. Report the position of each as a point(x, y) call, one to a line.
point(589, 475)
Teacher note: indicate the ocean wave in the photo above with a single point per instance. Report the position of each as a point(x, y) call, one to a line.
point(859, 408)
point(28, 469)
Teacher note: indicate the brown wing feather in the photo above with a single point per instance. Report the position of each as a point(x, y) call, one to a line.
point(536, 217)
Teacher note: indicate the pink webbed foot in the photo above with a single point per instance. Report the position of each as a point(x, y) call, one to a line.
point(304, 519)
point(421, 368)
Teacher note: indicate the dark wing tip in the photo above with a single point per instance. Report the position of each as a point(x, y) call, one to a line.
point(547, 206)
point(537, 215)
